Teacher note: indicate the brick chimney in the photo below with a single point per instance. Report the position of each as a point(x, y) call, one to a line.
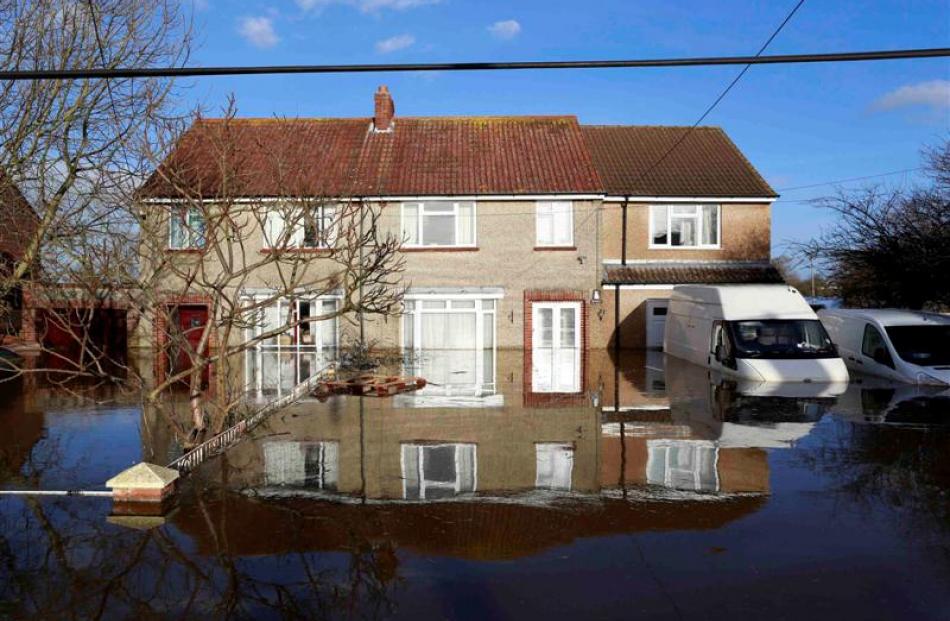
point(385, 110)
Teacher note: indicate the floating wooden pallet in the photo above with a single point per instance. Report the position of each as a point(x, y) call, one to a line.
point(369, 385)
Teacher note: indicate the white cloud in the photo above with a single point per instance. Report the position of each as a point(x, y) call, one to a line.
point(506, 29)
point(392, 44)
point(258, 31)
point(934, 94)
point(366, 6)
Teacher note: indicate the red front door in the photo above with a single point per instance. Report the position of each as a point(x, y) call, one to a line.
point(190, 326)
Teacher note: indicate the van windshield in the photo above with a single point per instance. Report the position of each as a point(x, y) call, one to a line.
point(781, 338)
point(924, 345)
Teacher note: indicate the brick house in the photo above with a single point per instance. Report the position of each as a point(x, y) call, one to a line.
point(18, 223)
point(512, 225)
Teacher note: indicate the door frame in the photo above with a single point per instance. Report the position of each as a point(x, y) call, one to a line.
point(547, 399)
point(556, 346)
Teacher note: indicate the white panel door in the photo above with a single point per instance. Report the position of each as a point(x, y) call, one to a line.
point(556, 347)
point(656, 322)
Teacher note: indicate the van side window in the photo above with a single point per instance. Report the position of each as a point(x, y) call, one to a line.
point(874, 347)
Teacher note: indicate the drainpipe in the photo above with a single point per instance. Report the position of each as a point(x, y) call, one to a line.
point(617, 319)
point(623, 231)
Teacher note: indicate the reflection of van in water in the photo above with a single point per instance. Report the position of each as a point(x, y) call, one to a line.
point(766, 333)
point(905, 346)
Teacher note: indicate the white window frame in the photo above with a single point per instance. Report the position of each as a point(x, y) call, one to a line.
point(658, 451)
point(456, 486)
point(420, 229)
point(484, 319)
point(549, 206)
point(537, 349)
point(274, 216)
point(297, 349)
point(184, 216)
point(322, 469)
point(550, 449)
point(699, 232)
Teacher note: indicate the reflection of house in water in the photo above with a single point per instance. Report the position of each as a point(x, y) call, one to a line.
point(508, 479)
point(666, 423)
point(23, 427)
point(659, 423)
point(436, 444)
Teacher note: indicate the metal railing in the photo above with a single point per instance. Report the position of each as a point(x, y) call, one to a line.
point(230, 436)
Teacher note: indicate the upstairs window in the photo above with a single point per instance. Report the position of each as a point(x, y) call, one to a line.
point(555, 223)
point(186, 229)
point(438, 224)
point(684, 226)
point(286, 227)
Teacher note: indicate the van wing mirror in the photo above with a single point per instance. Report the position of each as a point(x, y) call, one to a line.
point(718, 352)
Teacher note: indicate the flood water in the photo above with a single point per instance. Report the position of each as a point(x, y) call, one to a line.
point(658, 491)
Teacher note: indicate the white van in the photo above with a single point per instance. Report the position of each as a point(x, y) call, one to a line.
point(765, 333)
point(905, 346)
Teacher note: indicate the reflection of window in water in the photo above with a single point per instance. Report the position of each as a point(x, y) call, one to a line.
point(278, 363)
point(450, 341)
point(433, 471)
point(683, 464)
point(555, 464)
point(311, 465)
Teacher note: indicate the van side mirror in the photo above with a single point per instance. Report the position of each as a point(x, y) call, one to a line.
point(718, 352)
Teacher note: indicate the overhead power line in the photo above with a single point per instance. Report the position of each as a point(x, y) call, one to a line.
point(172, 72)
point(849, 180)
point(721, 96)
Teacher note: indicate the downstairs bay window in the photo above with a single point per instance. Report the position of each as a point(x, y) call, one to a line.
point(435, 471)
point(277, 363)
point(684, 226)
point(451, 342)
point(309, 465)
point(438, 224)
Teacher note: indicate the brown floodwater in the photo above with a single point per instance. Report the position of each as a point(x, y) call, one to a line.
point(659, 490)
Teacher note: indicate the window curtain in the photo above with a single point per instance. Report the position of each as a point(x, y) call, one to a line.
point(660, 214)
point(465, 460)
point(178, 234)
point(283, 463)
point(410, 223)
point(710, 227)
point(466, 224)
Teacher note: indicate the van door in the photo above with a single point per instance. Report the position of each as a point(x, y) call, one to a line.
point(720, 348)
point(875, 353)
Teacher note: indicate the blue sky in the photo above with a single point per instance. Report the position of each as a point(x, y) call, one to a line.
point(799, 124)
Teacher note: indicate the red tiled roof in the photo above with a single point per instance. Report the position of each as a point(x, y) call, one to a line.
point(630, 160)
point(344, 157)
point(683, 273)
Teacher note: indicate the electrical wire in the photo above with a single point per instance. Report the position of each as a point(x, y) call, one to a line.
point(172, 72)
point(721, 96)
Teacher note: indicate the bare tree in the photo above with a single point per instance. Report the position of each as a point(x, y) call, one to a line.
point(257, 269)
point(70, 147)
point(890, 247)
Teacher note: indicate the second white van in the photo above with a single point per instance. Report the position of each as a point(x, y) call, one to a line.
point(765, 333)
